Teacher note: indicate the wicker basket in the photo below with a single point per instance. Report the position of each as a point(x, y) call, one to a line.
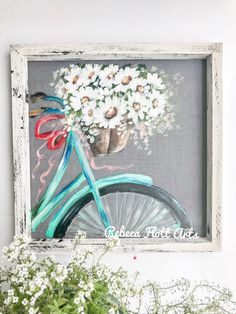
point(109, 141)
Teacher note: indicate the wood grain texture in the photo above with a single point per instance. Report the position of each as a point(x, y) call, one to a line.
point(21, 54)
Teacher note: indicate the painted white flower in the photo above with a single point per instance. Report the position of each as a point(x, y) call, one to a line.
point(88, 93)
point(93, 131)
point(74, 78)
point(124, 77)
point(61, 72)
point(140, 85)
point(75, 103)
point(110, 113)
point(98, 96)
point(61, 90)
point(89, 112)
point(156, 104)
point(155, 81)
point(90, 73)
point(107, 75)
point(137, 108)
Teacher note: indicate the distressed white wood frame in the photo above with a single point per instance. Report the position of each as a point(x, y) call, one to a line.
point(21, 54)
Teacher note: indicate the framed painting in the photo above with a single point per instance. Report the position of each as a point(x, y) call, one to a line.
point(118, 140)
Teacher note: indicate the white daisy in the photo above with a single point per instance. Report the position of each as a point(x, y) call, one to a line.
point(155, 81)
point(110, 113)
point(74, 78)
point(75, 103)
point(84, 95)
point(156, 104)
point(61, 90)
point(88, 112)
point(104, 92)
point(124, 77)
point(139, 85)
point(60, 72)
point(90, 73)
point(107, 75)
point(137, 108)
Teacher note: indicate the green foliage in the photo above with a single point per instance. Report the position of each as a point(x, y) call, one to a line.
point(32, 285)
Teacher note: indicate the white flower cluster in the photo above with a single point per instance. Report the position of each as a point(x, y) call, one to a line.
point(60, 273)
point(120, 286)
point(17, 249)
point(80, 235)
point(85, 290)
point(42, 286)
point(108, 96)
point(112, 242)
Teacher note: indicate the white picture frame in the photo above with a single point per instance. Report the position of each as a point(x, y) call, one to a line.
point(22, 54)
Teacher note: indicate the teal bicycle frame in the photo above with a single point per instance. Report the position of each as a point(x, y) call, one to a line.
point(48, 202)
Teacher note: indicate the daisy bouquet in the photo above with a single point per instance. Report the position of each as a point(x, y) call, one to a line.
point(111, 103)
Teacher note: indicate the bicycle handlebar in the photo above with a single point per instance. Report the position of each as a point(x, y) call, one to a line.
point(39, 96)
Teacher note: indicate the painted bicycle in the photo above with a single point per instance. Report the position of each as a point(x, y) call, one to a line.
point(129, 200)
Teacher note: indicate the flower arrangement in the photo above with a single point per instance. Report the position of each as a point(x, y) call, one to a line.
point(115, 103)
point(32, 285)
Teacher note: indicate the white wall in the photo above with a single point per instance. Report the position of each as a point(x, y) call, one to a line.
point(75, 21)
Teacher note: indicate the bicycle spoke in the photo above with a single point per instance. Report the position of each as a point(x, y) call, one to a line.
point(134, 211)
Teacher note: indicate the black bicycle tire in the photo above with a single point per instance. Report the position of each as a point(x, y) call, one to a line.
point(152, 191)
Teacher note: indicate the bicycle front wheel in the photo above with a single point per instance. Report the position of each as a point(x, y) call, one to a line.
point(134, 206)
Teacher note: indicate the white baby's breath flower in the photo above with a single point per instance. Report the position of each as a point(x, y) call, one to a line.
point(5, 250)
point(80, 235)
point(25, 302)
point(112, 242)
point(15, 299)
point(76, 300)
point(11, 292)
point(80, 310)
point(32, 301)
point(33, 311)
point(8, 300)
point(112, 311)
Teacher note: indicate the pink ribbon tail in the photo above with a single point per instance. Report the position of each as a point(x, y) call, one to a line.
point(39, 158)
point(51, 164)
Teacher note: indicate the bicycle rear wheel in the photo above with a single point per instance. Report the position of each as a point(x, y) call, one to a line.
point(133, 206)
